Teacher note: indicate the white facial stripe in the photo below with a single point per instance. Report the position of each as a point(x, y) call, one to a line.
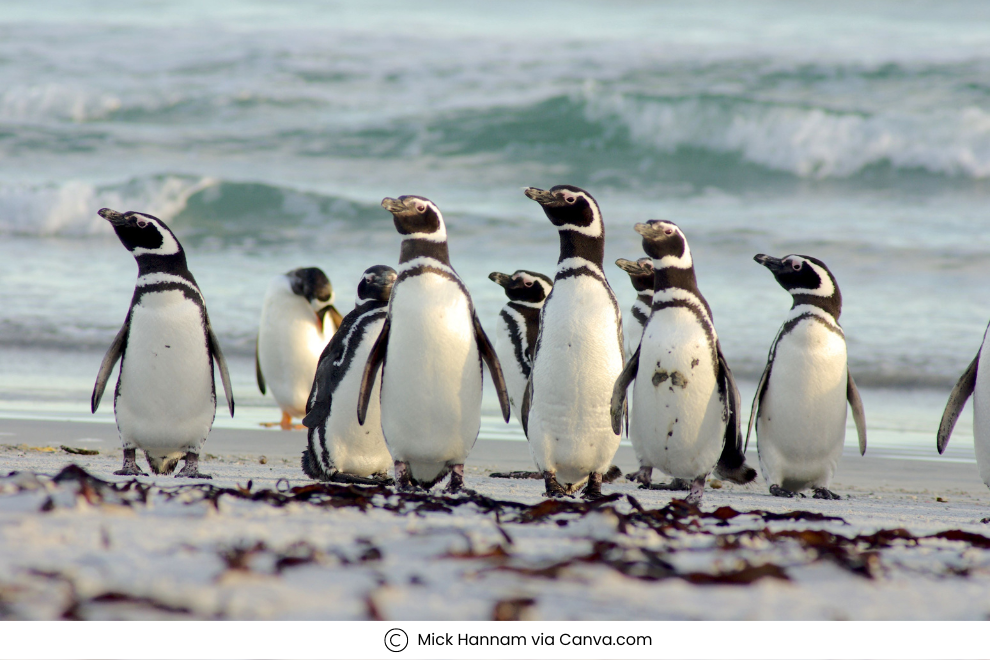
point(534, 305)
point(169, 244)
point(350, 334)
point(826, 289)
point(801, 310)
point(438, 236)
point(683, 261)
point(595, 228)
point(573, 263)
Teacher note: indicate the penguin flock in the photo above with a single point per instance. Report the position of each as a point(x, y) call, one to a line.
point(397, 381)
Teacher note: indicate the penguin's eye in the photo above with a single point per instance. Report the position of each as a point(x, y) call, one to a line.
point(569, 199)
point(668, 231)
point(142, 223)
point(796, 265)
point(421, 208)
point(528, 284)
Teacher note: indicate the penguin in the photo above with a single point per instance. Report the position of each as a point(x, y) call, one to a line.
point(338, 447)
point(518, 325)
point(297, 320)
point(430, 349)
point(641, 274)
point(165, 401)
point(975, 380)
point(578, 352)
point(685, 412)
point(800, 402)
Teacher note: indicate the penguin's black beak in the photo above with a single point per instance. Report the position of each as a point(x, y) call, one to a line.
point(774, 264)
point(115, 218)
point(501, 279)
point(649, 230)
point(393, 205)
point(631, 267)
point(542, 197)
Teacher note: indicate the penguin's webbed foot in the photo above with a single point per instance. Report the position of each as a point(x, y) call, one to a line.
point(825, 494)
point(403, 480)
point(675, 484)
point(130, 467)
point(344, 478)
point(456, 483)
point(777, 491)
point(697, 491)
point(191, 469)
point(644, 475)
point(554, 489)
point(593, 489)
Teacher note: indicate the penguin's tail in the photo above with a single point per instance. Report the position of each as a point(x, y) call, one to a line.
point(164, 464)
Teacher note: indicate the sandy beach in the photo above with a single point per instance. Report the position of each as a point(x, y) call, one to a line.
point(906, 543)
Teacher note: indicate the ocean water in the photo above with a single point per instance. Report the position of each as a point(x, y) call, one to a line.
point(267, 133)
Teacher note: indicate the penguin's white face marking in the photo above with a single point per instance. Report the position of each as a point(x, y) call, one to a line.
point(665, 242)
point(417, 218)
point(570, 209)
point(168, 245)
point(795, 264)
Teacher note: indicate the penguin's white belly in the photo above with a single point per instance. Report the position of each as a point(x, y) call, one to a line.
point(515, 379)
point(678, 418)
point(165, 401)
point(579, 358)
point(431, 389)
point(289, 346)
point(981, 414)
point(353, 448)
point(801, 425)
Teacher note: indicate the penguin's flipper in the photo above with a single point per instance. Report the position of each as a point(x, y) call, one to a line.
point(618, 405)
point(222, 365)
point(733, 429)
point(527, 400)
point(257, 369)
point(760, 389)
point(487, 352)
point(114, 353)
point(335, 317)
point(375, 359)
point(325, 382)
point(856, 403)
point(957, 399)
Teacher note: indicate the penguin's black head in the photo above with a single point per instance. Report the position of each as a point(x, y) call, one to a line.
point(640, 272)
point(143, 234)
point(807, 279)
point(569, 207)
point(313, 285)
point(665, 243)
point(524, 285)
point(416, 217)
point(376, 283)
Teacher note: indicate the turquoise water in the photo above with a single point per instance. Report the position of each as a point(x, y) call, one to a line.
point(267, 133)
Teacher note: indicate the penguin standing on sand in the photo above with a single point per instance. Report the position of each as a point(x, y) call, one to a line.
point(800, 403)
point(339, 448)
point(641, 274)
point(974, 382)
point(165, 400)
point(297, 320)
point(430, 350)
point(685, 412)
point(578, 353)
point(518, 325)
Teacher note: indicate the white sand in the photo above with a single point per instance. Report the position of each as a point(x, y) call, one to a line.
point(119, 558)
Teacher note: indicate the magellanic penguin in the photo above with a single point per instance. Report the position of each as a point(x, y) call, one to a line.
point(578, 352)
point(430, 349)
point(339, 447)
point(800, 403)
point(518, 325)
point(641, 274)
point(297, 320)
point(975, 380)
point(685, 412)
point(165, 400)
